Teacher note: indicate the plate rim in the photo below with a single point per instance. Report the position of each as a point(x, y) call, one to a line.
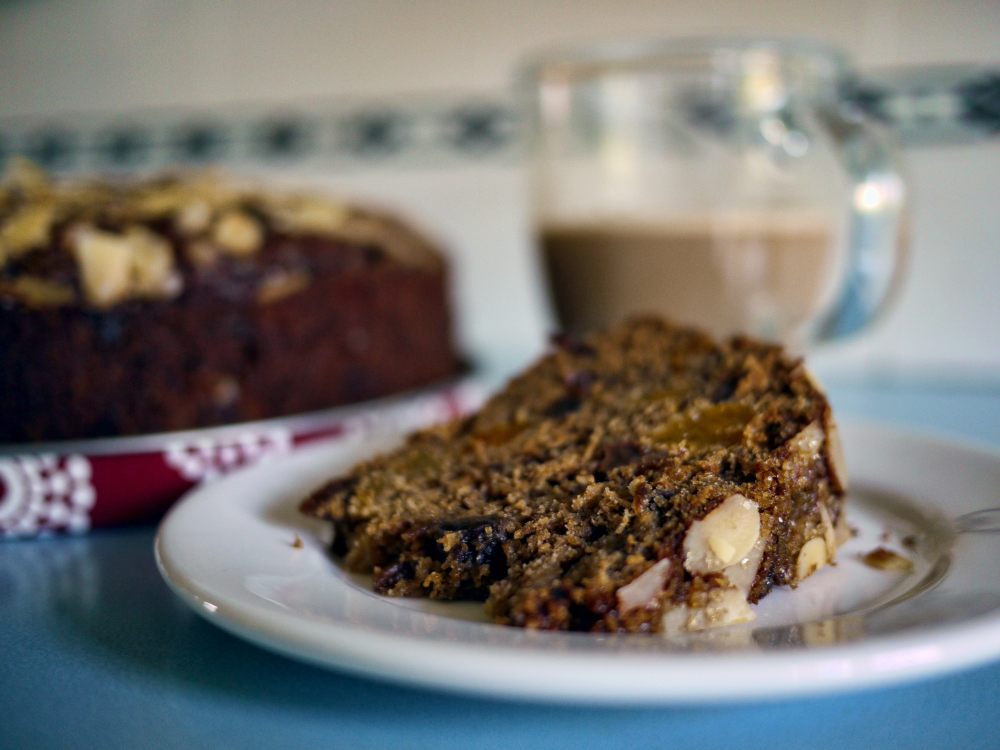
point(877, 660)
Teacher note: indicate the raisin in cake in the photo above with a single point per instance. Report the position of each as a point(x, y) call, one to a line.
point(643, 479)
point(187, 301)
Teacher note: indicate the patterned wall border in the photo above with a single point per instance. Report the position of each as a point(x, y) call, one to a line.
point(934, 104)
point(925, 105)
point(410, 131)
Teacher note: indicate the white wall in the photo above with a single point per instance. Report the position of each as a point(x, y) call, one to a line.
point(59, 55)
point(112, 56)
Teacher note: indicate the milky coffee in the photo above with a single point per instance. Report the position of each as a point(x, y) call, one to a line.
point(760, 276)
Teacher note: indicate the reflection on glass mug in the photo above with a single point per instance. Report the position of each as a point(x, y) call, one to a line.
point(722, 183)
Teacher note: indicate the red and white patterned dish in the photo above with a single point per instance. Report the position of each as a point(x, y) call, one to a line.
point(74, 486)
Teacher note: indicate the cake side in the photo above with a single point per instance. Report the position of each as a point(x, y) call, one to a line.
point(646, 479)
point(188, 302)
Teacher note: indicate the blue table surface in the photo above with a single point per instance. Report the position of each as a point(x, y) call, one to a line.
point(98, 653)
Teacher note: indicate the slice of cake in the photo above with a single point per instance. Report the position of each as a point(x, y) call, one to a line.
point(186, 301)
point(644, 479)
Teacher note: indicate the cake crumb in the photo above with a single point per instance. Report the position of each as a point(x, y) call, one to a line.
point(881, 558)
point(909, 541)
point(297, 542)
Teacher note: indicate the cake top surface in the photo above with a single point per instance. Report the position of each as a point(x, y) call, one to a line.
point(99, 243)
point(587, 470)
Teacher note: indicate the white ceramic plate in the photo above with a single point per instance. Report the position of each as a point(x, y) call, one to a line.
point(228, 551)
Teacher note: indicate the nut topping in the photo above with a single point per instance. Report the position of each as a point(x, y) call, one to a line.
point(152, 264)
point(829, 532)
point(835, 460)
point(238, 233)
point(643, 590)
point(114, 267)
point(123, 235)
point(812, 557)
point(36, 292)
point(280, 284)
point(105, 262)
point(808, 441)
point(723, 537)
point(725, 606)
point(28, 228)
point(194, 218)
point(743, 573)
point(308, 214)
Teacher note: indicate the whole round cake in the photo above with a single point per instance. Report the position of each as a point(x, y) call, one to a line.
point(187, 301)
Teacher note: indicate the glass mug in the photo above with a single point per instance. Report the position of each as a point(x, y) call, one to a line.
point(726, 184)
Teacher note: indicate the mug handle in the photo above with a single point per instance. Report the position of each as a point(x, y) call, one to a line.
point(924, 105)
point(877, 225)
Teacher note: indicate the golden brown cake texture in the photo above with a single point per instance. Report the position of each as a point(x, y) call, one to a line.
point(187, 300)
point(646, 479)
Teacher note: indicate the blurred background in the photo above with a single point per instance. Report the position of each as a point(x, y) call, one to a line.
point(412, 104)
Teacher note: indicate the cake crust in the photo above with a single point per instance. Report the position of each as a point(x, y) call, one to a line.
point(647, 479)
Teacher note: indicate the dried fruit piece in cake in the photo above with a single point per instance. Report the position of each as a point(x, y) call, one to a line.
point(647, 479)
